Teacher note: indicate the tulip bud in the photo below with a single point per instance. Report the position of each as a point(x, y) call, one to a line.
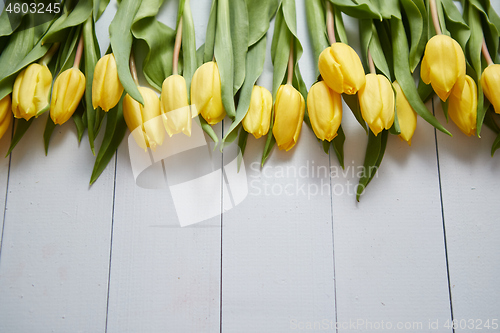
point(258, 117)
point(376, 101)
point(407, 117)
point(145, 122)
point(289, 109)
point(31, 92)
point(463, 110)
point(206, 93)
point(490, 81)
point(5, 114)
point(443, 66)
point(174, 106)
point(325, 111)
point(341, 69)
point(106, 86)
point(66, 95)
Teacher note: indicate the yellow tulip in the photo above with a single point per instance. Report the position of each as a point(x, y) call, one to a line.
point(289, 109)
point(5, 114)
point(376, 101)
point(463, 110)
point(106, 86)
point(258, 117)
point(490, 81)
point(31, 92)
point(145, 122)
point(407, 117)
point(175, 107)
point(325, 111)
point(66, 95)
point(443, 66)
point(341, 69)
point(206, 93)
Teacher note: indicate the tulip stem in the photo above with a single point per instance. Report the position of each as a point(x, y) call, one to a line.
point(290, 63)
point(435, 17)
point(177, 48)
point(50, 53)
point(330, 22)
point(133, 68)
point(486, 54)
point(79, 52)
point(371, 63)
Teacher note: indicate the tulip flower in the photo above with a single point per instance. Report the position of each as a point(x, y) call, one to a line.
point(341, 69)
point(325, 111)
point(31, 92)
point(66, 95)
point(258, 117)
point(407, 117)
point(376, 101)
point(463, 110)
point(5, 114)
point(443, 66)
point(145, 122)
point(289, 109)
point(206, 93)
point(175, 107)
point(490, 81)
point(106, 86)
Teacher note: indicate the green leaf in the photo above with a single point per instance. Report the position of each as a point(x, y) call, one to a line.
point(208, 129)
point(242, 144)
point(77, 16)
point(353, 104)
point(121, 42)
point(188, 45)
point(67, 52)
point(92, 54)
point(373, 158)
point(21, 128)
point(113, 136)
point(78, 118)
point(338, 146)
point(259, 17)
point(361, 9)
point(455, 23)
point(239, 39)
point(371, 42)
point(340, 32)
point(404, 77)
point(315, 14)
point(388, 8)
point(489, 121)
point(417, 19)
point(47, 133)
point(224, 56)
point(210, 35)
point(255, 65)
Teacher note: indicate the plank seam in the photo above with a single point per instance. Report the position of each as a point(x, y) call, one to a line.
point(333, 244)
point(111, 241)
point(443, 220)
point(221, 225)
point(6, 195)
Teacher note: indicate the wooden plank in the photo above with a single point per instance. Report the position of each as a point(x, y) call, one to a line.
point(277, 260)
point(4, 175)
point(470, 179)
point(389, 249)
point(56, 242)
point(164, 278)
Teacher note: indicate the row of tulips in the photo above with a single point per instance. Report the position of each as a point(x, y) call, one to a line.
point(382, 101)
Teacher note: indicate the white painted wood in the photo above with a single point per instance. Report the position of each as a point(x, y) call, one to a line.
point(4, 174)
point(56, 240)
point(277, 258)
point(470, 179)
point(163, 278)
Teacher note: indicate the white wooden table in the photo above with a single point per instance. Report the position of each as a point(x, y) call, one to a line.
point(420, 249)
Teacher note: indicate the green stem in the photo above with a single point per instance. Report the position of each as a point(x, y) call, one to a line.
point(486, 54)
point(290, 63)
point(177, 48)
point(330, 22)
point(435, 17)
point(371, 63)
point(48, 56)
point(79, 52)
point(133, 68)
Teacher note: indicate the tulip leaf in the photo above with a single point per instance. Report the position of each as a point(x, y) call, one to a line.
point(353, 104)
point(74, 17)
point(259, 17)
point(224, 55)
point(338, 146)
point(404, 77)
point(317, 28)
point(388, 8)
point(242, 144)
point(255, 65)
point(373, 158)
point(210, 35)
point(340, 32)
point(188, 45)
point(47, 133)
point(21, 128)
point(239, 38)
point(490, 121)
point(113, 136)
point(157, 64)
point(370, 42)
point(416, 15)
point(99, 8)
point(209, 130)
point(92, 54)
point(67, 52)
point(455, 23)
point(78, 118)
point(9, 22)
point(121, 41)
point(425, 91)
point(496, 145)
point(492, 26)
point(361, 9)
